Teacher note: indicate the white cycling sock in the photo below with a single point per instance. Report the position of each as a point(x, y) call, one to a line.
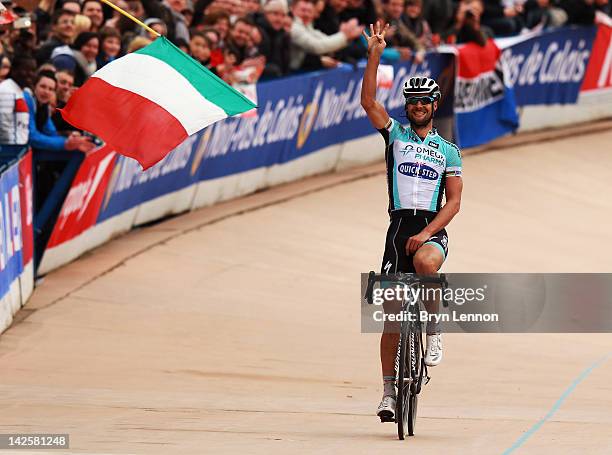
point(389, 385)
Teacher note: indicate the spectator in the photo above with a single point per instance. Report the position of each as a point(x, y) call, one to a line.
point(239, 39)
point(329, 23)
point(79, 58)
point(56, 158)
point(110, 46)
point(23, 41)
point(93, 10)
point(81, 24)
point(439, 15)
point(182, 45)
point(219, 21)
point(175, 7)
point(42, 17)
point(540, 14)
point(328, 20)
point(113, 22)
point(45, 67)
point(274, 45)
point(362, 10)
point(467, 27)
point(225, 70)
point(399, 35)
point(582, 12)
point(503, 20)
point(252, 8)
point(14, 117)
point(309, 45)
point(175, 24)
point(62, 34)
point(156, 24)
point(187, 13)
point(23, 38)
point(65, 87)
point(199, 48)
point(43, 135)
point(5, 67)
point(216, 54)
point(416, 23)
point(138, 43)
point(72, 5)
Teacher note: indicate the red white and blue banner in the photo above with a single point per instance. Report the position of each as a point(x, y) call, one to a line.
point(485, 107)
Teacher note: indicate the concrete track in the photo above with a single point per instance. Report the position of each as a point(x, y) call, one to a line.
point(241, 335)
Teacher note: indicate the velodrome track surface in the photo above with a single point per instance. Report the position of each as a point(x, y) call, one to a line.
point(242, 335)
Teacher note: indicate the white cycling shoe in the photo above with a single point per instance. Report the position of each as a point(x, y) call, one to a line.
point(386, 409)
point(433, 354)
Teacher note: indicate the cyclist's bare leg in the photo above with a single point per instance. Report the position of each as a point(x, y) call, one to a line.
point(427, 260)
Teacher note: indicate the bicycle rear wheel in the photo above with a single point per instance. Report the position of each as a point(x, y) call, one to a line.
point(409, 377)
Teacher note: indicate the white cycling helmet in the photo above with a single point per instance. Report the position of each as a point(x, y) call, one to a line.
point(422, 86)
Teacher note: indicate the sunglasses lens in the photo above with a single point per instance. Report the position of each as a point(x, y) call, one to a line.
point(422, 99)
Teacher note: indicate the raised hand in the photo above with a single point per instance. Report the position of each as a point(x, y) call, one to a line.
point(376, 39)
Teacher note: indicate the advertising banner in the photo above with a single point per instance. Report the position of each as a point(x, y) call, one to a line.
point(549, 68)
point(82, 204)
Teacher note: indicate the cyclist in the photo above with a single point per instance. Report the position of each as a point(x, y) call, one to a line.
point(421, 166)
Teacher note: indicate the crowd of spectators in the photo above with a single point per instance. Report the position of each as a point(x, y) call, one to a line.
point(50, 49)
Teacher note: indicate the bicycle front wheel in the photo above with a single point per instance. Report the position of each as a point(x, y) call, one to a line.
point(416, 373)
point(402, 406)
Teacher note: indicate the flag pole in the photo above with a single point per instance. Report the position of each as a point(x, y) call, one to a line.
point(129, 16)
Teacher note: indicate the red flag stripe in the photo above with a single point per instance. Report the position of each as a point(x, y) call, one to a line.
point(475, 60)
point(133, 125)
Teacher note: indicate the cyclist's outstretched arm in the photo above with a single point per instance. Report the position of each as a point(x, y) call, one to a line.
point(376, 44)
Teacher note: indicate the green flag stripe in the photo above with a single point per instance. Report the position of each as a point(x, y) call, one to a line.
point(210, 86)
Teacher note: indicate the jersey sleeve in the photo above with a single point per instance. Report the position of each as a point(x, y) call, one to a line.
point(391, 131)
point(453, 161)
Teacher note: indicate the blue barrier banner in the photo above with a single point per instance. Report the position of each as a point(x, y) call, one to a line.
point(11, 241)
point(549, 68)
point(302, 114)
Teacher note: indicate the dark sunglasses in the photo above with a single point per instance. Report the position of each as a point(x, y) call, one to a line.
point(422, 99)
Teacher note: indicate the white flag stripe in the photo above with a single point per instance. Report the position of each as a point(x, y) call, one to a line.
point(141, 74)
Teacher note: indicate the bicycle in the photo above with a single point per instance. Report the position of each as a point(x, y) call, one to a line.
point(410, 368)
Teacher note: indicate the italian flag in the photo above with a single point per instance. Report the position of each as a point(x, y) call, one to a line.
point(146, 103)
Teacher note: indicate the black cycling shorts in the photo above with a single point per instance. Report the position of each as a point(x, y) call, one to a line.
point(405, 224)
